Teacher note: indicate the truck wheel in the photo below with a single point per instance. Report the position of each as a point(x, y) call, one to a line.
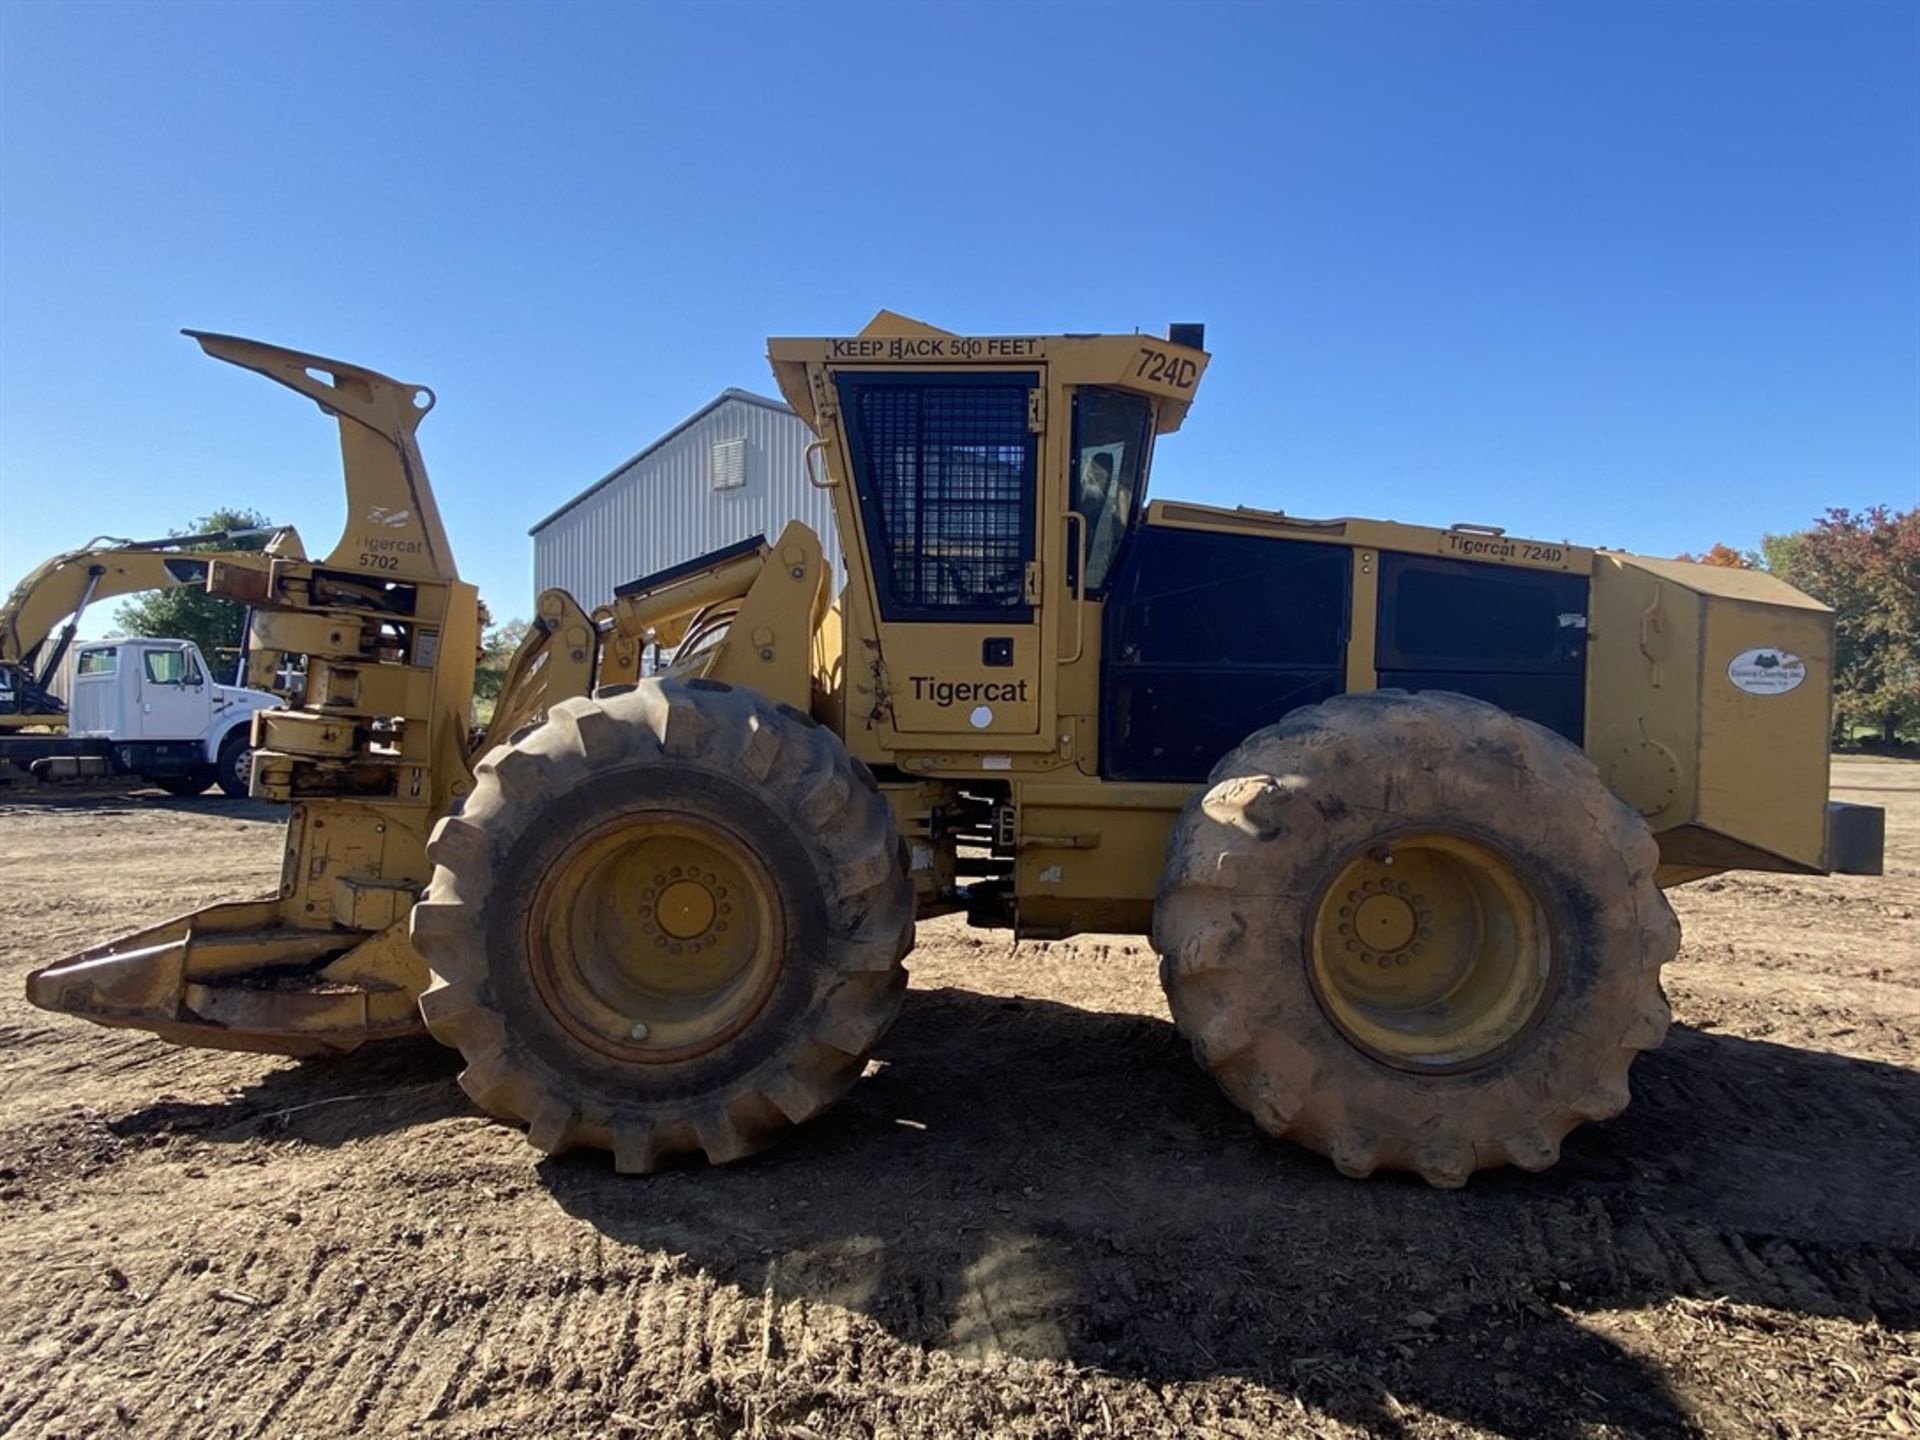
point(1415, 932)
point(191, 782)
point(667, 920)
point(234, 767)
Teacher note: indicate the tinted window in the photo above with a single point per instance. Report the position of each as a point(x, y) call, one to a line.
point(945, 470)
point(98, 662)
point(1111, 432)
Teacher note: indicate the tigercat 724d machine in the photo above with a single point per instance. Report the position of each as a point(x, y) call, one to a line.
point(1396, 804)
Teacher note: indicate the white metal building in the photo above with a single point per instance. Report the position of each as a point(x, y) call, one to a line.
point(733, 470)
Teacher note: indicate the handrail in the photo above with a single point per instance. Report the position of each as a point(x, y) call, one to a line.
point(1079, 588)
point(806, 460)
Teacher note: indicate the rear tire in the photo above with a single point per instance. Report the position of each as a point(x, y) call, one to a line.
point(234, 768)
point(669, 920)
point(1415, 932)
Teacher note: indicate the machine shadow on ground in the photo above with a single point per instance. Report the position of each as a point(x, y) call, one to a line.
point(325, 1101)
point(1033, 1178)
point(1027, 1178)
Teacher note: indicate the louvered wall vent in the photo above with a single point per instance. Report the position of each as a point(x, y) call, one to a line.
point(727, 464)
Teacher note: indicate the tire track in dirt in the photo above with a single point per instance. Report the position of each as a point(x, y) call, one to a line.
point(284, 1353)
point(31, 1384)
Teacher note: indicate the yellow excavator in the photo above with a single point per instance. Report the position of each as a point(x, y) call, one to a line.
point(43, 613)
point(1397, 805)
point(142, 710)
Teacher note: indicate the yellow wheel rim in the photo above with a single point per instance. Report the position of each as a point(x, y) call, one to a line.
point(656, 938)
point(1430, 952)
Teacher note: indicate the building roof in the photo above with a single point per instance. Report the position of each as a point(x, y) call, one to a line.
point(746, 397)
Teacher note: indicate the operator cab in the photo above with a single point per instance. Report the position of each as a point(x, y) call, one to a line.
point(985, 489)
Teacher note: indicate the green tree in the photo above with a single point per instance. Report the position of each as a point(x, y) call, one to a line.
point(496, 651)
point(1866, 565)
point(188, 612)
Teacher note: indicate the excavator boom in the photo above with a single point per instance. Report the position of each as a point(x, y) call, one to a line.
point(43, 613)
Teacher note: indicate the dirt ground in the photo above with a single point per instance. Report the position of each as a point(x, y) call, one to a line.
point(1034, 1217)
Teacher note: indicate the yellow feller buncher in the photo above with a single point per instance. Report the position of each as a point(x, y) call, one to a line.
point(1396, 804)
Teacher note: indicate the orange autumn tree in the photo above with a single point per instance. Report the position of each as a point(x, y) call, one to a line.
point(1726, 557)
point(1866, 565)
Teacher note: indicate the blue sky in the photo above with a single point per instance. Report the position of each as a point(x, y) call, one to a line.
point(1643, 275)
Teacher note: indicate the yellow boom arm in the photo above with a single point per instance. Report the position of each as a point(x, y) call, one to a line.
point(42, 615)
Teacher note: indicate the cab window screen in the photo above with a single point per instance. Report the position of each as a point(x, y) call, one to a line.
point(945, 469)
point(98, 662)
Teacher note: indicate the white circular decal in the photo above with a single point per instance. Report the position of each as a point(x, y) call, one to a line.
point(1766, 672)
point(981, 717)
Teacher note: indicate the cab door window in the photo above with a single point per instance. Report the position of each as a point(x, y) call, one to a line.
point(945, 468)
point(1111, 433)
point(171, 667)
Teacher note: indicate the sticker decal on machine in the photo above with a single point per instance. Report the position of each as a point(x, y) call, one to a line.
point(1766, 672)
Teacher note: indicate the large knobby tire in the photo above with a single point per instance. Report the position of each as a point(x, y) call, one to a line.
point(1415, 932)
point(235, 763)
point(668, 920)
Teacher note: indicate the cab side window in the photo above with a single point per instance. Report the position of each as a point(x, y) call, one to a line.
point(1111, 434)
point(171, 667)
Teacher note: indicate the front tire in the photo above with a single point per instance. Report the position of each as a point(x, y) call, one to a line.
point(667, 921)
point(234, 767)
point(1415, 932)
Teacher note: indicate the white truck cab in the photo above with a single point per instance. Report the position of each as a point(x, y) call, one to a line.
point(150, 708)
